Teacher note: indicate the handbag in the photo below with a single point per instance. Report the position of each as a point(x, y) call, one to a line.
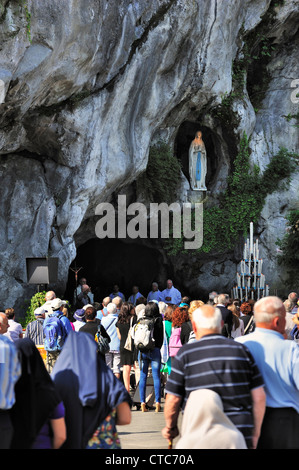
point(128, 343)
point(106, 435)
point(103, 343)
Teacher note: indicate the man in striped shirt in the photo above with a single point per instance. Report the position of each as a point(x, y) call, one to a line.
point(34, 329)
point(216, 363)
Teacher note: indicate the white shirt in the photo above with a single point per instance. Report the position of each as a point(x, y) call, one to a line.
point(14, 331)
point(78, 324)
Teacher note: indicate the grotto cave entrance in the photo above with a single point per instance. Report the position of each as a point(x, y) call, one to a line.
point(184, 137)
point(106, 262)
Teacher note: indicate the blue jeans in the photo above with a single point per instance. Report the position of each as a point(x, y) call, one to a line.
point(153, 357)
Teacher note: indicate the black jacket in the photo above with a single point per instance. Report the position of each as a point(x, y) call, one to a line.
point(227, 317)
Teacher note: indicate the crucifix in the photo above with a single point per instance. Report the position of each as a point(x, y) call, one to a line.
point(76, 270)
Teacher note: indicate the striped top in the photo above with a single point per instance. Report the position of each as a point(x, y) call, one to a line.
point(10, 372)
point(34, 331)
point(219, 364)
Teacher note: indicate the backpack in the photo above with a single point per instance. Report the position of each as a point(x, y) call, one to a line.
point(143, 334)
point(175, 341)
point(54, 333)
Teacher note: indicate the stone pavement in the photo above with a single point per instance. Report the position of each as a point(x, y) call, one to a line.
point(144, 431)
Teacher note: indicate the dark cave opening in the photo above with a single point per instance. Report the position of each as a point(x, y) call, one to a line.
point(111, 261)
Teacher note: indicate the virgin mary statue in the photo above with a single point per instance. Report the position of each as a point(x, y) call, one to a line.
point(198, 163)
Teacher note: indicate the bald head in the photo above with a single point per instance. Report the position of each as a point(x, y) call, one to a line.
point(50, 295)
point(106, 301)
point(270, 312)
point(206, 320)
point(117, 301)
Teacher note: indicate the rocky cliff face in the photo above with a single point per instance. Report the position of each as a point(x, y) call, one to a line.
point(87, 86)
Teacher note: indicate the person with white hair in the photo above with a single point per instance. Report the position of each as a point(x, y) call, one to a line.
point(109, 323)
point(219, 364)
point(155, 293)
point(227, 315)
point(212, 298)
point(171, 295)
point(278, 361)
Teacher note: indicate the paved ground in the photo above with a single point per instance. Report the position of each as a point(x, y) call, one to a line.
point(144, 432)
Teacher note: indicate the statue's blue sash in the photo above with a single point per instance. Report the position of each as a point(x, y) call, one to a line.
point(198, 167)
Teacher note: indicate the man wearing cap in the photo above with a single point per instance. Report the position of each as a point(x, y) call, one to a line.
point(57, 307)
point(54, 350)
point(34, 329)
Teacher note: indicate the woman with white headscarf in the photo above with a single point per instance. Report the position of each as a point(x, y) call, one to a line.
point(206, 426)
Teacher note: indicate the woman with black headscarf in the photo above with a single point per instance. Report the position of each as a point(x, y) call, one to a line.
point(89, 390)
point(36, 400)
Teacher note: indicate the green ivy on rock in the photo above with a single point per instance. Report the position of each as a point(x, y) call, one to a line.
point(161, 179)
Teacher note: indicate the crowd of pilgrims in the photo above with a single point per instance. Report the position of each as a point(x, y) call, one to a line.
point(69, 378)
